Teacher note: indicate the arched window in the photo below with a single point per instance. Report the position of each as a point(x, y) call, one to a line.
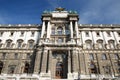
point(107, 69)
point(88, 44)
point(31, 43)
point(26, 68)
point(8, 43)
point(59, 30)
point(100, 44)
point(59, 70)
point(91, 56)
point(11, 69)
point(92, 68)
point(116, 56)
point(19, 43)
point(1, 66)
point(104, 57)
point(111, 44)
point(16, 55)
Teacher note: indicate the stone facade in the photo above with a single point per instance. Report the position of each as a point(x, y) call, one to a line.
point(60, 48)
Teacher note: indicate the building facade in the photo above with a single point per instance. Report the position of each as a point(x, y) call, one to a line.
point(60, 48)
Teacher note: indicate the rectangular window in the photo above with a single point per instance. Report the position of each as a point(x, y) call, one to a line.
point(32, 34)
point(118, 34)
point(3, 55)
point(11, 34)
point(22, 34)
point(98, 34)
point(91, 56)
point(19, 44)
point(16, 55)
point(1, 33)
point(28, 56)
point(87, 34)
point(108, 34)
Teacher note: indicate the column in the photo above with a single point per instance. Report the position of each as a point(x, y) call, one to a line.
point(44, 61)
point(76, 29)
point(75, 61)
point(43, 29)
point(50, 61)
point(71, 29)
point(69, 62)
point(48, 29)
point(37, 61)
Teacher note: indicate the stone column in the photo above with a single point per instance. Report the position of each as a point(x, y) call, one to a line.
point(50, 61)
point(44, 61)
point(71, 29)
point(37, 61)
point(75, 61)
point(48, 29)
point(69, 62)
point(77, 31)
point(43, 29)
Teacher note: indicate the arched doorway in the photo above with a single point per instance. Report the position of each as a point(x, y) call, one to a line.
point(59, 70)
point(60, 62)
point(26, 68)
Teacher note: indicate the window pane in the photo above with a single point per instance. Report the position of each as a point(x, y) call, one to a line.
point(116, 56)
point(104, 57)
point(91, 56)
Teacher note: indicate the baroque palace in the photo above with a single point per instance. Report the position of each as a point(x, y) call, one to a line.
point(60, 48)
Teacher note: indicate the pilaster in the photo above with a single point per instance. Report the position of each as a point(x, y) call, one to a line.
point(77, 32)
point(50, 61)
point(43, 29)
point(69, 62)
point(75, 61)
point(44, 61)
point(48, 29)
point(37, 61)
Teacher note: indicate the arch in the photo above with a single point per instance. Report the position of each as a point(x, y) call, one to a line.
point(59, 30)
point(20, 40)
point(59, 70)
point(88, 40)
point(99, 40)
point(93, 68)
point(26, 68)
point(31, 40)
point(111, 40)
point(8, 40)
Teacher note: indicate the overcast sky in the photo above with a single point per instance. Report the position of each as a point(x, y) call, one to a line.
point(29, 11)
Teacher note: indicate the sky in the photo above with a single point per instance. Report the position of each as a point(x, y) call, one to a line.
point(29, 11)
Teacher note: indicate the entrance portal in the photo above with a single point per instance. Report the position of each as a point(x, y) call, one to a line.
point(61, 64)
